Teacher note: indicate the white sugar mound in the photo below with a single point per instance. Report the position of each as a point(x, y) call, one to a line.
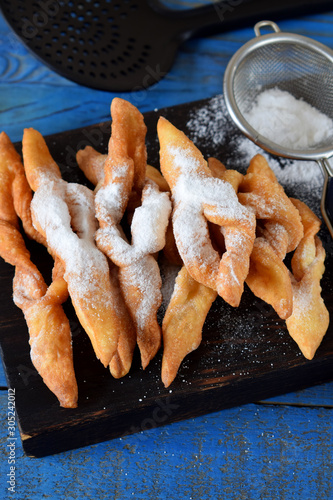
point(289, 122)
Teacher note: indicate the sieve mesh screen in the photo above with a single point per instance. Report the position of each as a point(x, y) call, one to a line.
point(303, 72)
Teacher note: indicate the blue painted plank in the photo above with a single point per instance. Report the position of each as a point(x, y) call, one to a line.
point(3, 381)
point(33, 95)
point(252, 452)
point(319, 395)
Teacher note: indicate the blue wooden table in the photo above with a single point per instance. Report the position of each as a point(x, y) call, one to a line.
point(273, 449)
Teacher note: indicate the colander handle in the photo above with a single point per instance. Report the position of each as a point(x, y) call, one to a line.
point(327, 195)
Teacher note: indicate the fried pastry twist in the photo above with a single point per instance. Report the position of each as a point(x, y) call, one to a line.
point(183, 322)
point(64, 214)
point(139, 274)
point(286, 225)
point(310, 318)
point(191, 301)
point(48, 326)
point(91, 162)
point(200, 198)
point(279, 230)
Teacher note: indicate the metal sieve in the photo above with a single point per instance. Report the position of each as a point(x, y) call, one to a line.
point(294, 63)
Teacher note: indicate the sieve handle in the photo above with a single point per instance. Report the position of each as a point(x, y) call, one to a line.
point(326, 205)
point(264, 24)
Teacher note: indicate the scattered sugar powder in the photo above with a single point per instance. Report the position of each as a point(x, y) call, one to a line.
point(199, 198)
point(169, 273)
point(195, 190)
point(289, 122)
point(110, 200)
point(192, 237)
point(81, 205)
point(30, 287)
point(139, 269)
point(210, 122)
point(301, 179)
point(213, 131)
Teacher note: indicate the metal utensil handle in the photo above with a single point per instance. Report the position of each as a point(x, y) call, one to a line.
point(262, 24)
point(326, 204)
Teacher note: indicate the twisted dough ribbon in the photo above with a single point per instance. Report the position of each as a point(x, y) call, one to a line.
point(64, 214)
point(286, 225)
point(279, 230)
point(183, 322)
point(309, 320)
point(200, 198)
point(139, 274)
point(191, 301)
point(49, 330)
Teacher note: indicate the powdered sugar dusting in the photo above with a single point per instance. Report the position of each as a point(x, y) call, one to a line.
point(81, 208)
point(290, 172)
point(200, 198)
point(187, 233)
point(139, 272)
point(144, 276)
point(85, 265)
point(148, 226)
point(215, 134)
point(111, 199)
point(302, 300)
point(151, 219)
point(194, 189)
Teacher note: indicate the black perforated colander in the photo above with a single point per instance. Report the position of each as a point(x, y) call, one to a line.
point(126, 45)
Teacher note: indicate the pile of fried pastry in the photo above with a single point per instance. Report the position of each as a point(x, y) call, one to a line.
point(222, 228)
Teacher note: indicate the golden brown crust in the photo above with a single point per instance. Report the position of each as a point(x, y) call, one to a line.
point(49, 330)
point(226, 228)
point(269, 278)
point(91, 162)
point(310, 318)
point(139, 275)
point(64, 213)
point(200, 198)
point(127, 141)
point(183, 322)
point(49, 336)
point(279, 230)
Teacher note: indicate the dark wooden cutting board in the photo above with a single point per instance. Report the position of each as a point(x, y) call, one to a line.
point(246, 354)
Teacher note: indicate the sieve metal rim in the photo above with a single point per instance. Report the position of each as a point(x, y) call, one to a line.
point(228, 81)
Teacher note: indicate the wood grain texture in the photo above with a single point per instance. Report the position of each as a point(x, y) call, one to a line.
point(246, 353)
point(32, 95)
point(319, 395)
point(250, 452)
